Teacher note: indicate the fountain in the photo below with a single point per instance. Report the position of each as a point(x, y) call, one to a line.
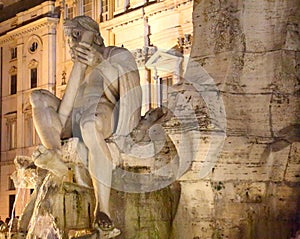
point(103, 171)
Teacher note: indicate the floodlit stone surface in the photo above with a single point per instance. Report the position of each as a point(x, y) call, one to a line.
point(251, 50)
point(234, 130)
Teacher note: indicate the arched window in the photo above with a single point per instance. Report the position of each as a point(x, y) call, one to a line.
point(33, 47)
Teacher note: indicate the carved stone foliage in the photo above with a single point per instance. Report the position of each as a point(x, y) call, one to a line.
point(33, 64)
point(142, 55)
point(12, 70)
point(186, 41)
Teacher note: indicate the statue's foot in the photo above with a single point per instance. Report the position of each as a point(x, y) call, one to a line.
point(114, 233)
point(49, 159)
point(109, 234)
point(105, 225)
point(19, 235)
point(103, 221)
point(104, 234)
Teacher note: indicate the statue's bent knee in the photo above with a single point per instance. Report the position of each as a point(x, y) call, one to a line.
point(35, 98)
point(43, 98)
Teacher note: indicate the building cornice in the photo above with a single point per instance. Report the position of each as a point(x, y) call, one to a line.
point(144, 11)
point(29, 28)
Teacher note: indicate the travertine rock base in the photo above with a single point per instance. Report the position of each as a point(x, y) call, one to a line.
point(252, 51)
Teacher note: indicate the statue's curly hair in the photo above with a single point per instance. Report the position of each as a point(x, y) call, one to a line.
point(87, 23)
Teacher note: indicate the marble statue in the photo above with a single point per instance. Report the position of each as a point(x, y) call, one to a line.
point(102, 98)
point(102, 167)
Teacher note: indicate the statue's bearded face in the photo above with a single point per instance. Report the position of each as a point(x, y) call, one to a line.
point(74, 35)
point(82, 29)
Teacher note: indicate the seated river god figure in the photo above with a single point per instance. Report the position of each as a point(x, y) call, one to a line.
point(102, 98)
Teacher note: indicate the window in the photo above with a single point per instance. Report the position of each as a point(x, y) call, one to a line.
point(11, 133)
point(33, 47)
point(87, 8)
point(11, 185)
point(13, 84)
point(104, 11)
point(119, 6)
point(13, 52)
point(11, 208)
point(31, 137)
point(33, 78)
point(70, 12)
point(163, 90)
point(33, 66)
point(28, 127)
point(136, 3)
point(13, 80)
point(166, 83)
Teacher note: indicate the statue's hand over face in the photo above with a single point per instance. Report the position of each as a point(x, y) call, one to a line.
point(86, 54)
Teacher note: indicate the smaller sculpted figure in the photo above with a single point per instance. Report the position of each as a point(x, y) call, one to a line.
point(102, 98)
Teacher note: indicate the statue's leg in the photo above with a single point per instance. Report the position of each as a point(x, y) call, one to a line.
point(45, 117)
point(49, 128)
point(95, 128)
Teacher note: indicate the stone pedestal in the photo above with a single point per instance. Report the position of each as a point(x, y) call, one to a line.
point(62, 210)
point(63, 207)
point(145, 215)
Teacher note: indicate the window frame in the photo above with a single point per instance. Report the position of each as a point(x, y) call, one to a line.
point(105, 10)
point(30, 135)
point(165, 83)
point(11, 127)
point(91, 10)
point(13, 85)
point(28, 128)
point(13, 53)
point(11, 185)
point(31, 66)
point(70, 10)
point(11, 200)
point(33, 77)
point(12, 75)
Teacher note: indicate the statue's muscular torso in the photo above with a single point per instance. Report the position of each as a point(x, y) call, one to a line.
point(96, 97)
